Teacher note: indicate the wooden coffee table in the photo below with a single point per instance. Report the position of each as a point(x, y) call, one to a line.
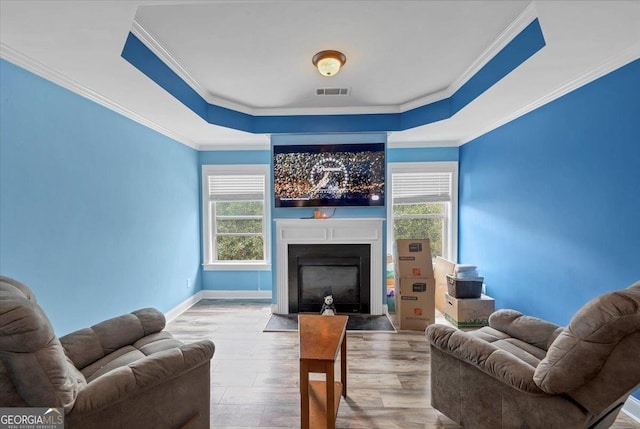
point(321, 338)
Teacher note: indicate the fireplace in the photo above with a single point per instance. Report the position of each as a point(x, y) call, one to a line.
point(341, 231)
point(342, 270)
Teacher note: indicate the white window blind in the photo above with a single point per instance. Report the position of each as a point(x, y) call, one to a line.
point(410, 188)
point(235, 217)
point(244, 187)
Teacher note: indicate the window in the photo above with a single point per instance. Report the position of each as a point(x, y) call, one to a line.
point(424, 204)
point(235, 217)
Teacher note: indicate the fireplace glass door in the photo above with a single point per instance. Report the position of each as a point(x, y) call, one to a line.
point(342, 270)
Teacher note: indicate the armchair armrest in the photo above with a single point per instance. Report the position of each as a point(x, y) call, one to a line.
point(491, 360)
point(142, 375)
point(531, 330)
point(90, 344)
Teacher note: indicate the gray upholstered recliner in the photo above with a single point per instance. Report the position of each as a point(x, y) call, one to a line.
point(523, 372)
point(125, 372)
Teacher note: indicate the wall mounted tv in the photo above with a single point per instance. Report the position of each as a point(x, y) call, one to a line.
point(329, 175)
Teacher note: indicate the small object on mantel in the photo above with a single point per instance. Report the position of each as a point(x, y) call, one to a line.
point(328, 307)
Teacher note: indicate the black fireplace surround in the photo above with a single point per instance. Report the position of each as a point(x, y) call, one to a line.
point(343, 270)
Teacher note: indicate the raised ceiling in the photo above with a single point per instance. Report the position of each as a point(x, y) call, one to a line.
point(254, 57)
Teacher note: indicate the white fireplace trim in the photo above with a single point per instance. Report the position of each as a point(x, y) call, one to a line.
point(329, 231)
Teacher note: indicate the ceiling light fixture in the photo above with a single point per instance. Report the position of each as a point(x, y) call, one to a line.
point(329, 62)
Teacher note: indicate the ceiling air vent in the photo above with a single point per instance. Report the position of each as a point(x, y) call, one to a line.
point(332, 91)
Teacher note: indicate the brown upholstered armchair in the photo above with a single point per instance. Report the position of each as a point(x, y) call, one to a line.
point(125, 372)
point(523, 372)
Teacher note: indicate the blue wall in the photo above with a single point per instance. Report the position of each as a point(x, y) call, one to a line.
point(550, 203)
point(98, 214)
point(234, 280)
point(264, 280)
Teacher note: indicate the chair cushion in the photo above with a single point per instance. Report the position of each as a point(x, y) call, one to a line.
point(522, 350)
point(581, 350)
point(22, 288)
point(89, 345)
point(157, 342)
point(32, 355)
point(529, 329)
point(121, 357)
point(146, 346)
point(489, 334)
point(526, 352)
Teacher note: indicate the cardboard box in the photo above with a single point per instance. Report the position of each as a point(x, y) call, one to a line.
point(442, 268)
point(412, 259)
point(469, 312)
point(415, 303)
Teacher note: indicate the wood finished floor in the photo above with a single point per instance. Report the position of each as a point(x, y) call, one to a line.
point(254, 374)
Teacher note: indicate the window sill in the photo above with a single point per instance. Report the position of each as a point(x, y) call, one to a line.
point(240, 266)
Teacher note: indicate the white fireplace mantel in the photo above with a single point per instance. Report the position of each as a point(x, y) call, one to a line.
point(329, 231)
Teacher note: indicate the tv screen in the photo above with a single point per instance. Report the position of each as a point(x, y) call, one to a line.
point(329, 175)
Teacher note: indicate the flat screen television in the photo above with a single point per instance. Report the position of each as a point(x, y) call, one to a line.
point(329, 175)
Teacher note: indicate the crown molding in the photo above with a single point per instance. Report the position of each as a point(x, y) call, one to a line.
point(138, 30)
point(519, 24)
point(525, 18)
point(516, 27)
point(232, 146)
point(411, 144)
point(613, 63)
point(47, 73)
point(321, 111)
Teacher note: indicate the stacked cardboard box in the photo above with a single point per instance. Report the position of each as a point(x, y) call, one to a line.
point(469, 312)
point(415, 284)
point(442, 268)
point(461, 312)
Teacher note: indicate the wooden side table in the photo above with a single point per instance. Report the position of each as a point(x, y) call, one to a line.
point(321, 338)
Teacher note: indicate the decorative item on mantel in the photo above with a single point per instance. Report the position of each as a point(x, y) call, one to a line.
point(318, 214)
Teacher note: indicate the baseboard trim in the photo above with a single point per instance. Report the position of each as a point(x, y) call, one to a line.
point(183, 306)
point(236, 294)
point(632, 408)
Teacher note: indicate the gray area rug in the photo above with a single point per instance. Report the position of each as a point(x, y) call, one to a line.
point(356, 322)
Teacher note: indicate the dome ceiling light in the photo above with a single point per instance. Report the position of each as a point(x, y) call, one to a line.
point(329, 62)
